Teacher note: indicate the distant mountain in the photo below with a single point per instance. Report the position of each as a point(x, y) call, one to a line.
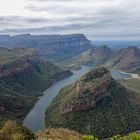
point(95, 104)
point(23, 76)
point(52, 47)
point(127, 59)
point(115, 45)
point(102, 54)
point(97, 56)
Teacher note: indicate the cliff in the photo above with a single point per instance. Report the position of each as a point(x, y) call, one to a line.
point(103, 54)
point(52, 47)
point(96, 104)
point(17, 60)
point(127, 59)
point(23, 76)
point(96, 56)
point(89, 89)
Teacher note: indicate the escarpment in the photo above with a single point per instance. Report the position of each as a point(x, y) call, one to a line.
point(52, 47)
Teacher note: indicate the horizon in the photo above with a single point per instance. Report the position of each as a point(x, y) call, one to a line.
point(92, 40)
point(97, 19)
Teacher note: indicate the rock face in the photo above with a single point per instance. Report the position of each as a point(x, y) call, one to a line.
point(102, 54)
point(97, 56)
point(89, 90)
point(54, 47)
point(58, 134)
point(127, 59)
point(17, 60)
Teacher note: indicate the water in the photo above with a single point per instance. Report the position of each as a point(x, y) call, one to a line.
point(119, 75)
point(35, 118)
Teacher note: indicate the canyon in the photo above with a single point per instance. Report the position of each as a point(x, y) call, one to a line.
point(23, 77)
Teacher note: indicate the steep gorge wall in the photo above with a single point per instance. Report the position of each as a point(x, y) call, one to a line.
point(88, 90)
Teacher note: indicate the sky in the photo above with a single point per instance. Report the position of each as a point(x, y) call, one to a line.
point(97, 19)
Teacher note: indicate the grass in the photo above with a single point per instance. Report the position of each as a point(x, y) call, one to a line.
point(132, 84)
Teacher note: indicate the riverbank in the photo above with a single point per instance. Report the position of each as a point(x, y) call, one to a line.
point(136, 76)
point(35, 118)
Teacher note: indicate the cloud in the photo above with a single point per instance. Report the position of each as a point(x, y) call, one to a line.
point(54, 0)
point(95, 18)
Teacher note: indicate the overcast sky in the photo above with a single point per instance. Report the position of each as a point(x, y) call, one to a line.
point(97, 19)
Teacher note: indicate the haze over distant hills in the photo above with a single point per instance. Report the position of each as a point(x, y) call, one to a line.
point(116, 44)
point(125, 59)
point(52, 47)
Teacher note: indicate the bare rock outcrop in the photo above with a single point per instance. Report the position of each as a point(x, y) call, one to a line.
point(88, 90)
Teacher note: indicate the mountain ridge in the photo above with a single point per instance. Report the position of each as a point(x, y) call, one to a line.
point(127, 59)
point(52, 47)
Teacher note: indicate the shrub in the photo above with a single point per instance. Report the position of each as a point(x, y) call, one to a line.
point(90, 137)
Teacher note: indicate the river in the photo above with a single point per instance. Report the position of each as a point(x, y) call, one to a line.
point(35, 118)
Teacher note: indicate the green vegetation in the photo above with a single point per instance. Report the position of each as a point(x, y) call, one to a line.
point(89, 137)
point(132, 84)
point(19, 91)
point(131, 136)
point(113, 115)
point(8, 56)
point(13, 131)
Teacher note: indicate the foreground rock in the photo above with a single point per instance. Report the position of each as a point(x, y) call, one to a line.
point(58, 134)
point(89, 90)
point(96, 104)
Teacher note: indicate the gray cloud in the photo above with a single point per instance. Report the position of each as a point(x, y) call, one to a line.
point(54, 0)
point(118, 19)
